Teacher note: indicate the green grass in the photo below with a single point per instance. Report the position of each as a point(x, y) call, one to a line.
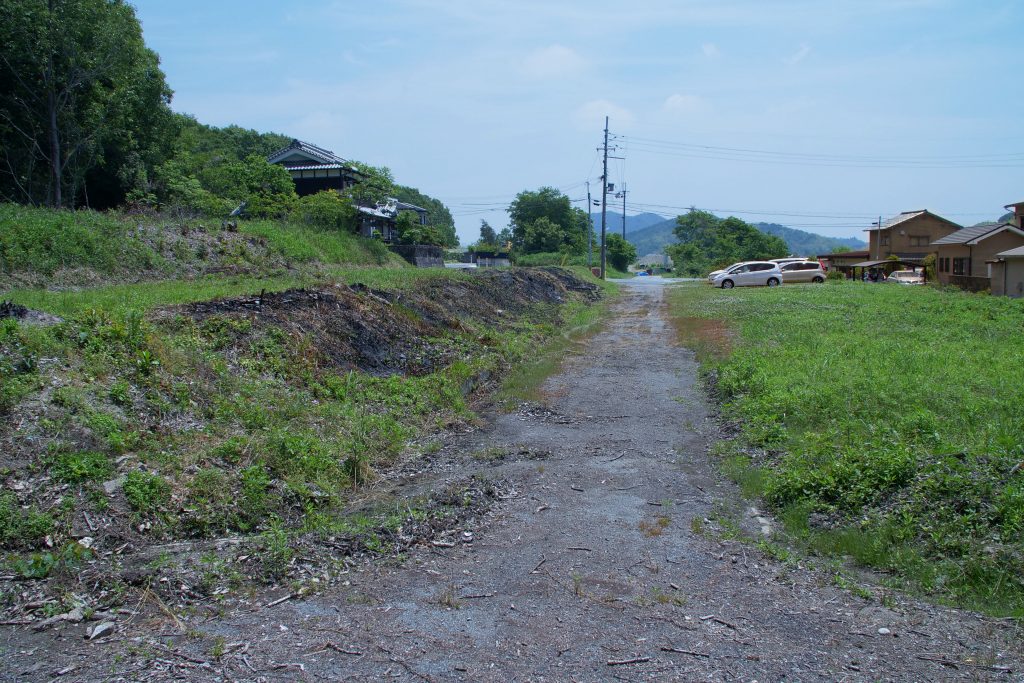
point(305, 244)
point(524, 382)
point(47, 240)
point(894, 412)
point(147, 295)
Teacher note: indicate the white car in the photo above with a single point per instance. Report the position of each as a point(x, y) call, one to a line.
point(749, 274)
point(713, 273)
point(905, 277)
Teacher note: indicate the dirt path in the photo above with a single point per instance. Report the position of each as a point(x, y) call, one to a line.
point(606, 561)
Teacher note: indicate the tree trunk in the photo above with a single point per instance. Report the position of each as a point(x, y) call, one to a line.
point(51, 103)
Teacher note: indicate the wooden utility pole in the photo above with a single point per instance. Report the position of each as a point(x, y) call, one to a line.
point(604, 201)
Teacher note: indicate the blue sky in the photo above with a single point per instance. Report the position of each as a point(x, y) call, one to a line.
point(819, 115)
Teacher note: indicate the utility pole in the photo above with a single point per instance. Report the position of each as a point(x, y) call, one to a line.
point(604, 201)
point(623, 195)
point(590, 231)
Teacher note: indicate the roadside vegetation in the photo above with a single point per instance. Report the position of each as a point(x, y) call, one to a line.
point(882, 423)
point(177, 379)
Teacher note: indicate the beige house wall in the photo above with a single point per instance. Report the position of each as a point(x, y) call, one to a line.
point(951, 251)
point(979, 253)
point(987, 249)
point(925, 226)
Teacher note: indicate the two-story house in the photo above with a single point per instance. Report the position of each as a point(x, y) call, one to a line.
point(908, 236)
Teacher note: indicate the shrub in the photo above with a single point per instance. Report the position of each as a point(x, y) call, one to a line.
point(22, 528)
point(145, 492)
point(75, 468)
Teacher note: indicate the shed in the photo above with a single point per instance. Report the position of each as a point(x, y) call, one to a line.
point(1008, 273)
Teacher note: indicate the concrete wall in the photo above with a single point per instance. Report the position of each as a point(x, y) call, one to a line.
point(420, 255)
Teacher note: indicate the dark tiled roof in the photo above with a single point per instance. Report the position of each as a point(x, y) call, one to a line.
point(965, 235)
point(325, 156)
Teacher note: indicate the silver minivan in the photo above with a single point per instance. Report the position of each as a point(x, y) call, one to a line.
point(749, 274)
point(802, 271)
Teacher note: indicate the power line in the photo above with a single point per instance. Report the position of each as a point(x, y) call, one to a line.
point(748, 155)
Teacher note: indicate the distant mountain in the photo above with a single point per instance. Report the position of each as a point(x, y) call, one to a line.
point(634, 223)
point(803, 243)
point(655, 237)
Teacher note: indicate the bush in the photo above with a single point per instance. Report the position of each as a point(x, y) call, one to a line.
point(835, 276)
point(146, 493)
point(326, 209)
point(75, 468)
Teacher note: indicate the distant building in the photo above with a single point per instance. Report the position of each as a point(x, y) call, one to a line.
point(908, 236)
point(965, 257)
point(1006, 269)
point(315, 169)
point(843, 261)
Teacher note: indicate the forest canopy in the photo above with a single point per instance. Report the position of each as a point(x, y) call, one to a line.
point(85, 121)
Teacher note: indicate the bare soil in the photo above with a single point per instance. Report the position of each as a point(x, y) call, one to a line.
point(604, 557)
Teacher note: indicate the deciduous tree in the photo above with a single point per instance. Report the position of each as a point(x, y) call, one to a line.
point(84, 107)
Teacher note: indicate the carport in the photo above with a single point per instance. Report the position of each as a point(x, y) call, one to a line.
point(867, 266)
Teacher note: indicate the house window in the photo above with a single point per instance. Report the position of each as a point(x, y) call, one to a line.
point(919, 240)
point(883, 239)
point(960, 266)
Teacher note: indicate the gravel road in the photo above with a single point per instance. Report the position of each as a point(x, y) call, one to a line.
point(607, 559)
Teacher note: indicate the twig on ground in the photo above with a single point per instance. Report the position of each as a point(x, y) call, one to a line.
point(280, 600)
point(542, 561)
point(617, 457)
point(939, 659)
point(723, 622)
point(337, 648)
point(622, 662)
point(589, 550)
point(669, 648)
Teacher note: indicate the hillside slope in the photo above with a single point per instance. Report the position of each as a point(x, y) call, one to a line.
point(654, 238)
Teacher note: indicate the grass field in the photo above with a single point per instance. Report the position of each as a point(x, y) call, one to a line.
point(882, 423)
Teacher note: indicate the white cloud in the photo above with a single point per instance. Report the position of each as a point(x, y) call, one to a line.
point(555, 61)
point(710, 50)
point(799, 55)
point(684, 104)
point(590, 115)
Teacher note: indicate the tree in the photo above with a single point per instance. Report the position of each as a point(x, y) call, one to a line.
point(438, 215)
point(707, 241)
point(565, 228)
point(375, 185)
point(487, 235)
point(84, 107)
point(621, 253)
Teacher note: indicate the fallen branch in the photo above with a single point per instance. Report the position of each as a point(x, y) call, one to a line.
point(280, 600)
point(955, 664)
point(723, 622)
point(336, 648)
point(622, 662)
point(668, 648)
point(589, 550)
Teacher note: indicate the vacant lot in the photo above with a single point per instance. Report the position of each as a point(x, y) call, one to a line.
point(881, 422)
